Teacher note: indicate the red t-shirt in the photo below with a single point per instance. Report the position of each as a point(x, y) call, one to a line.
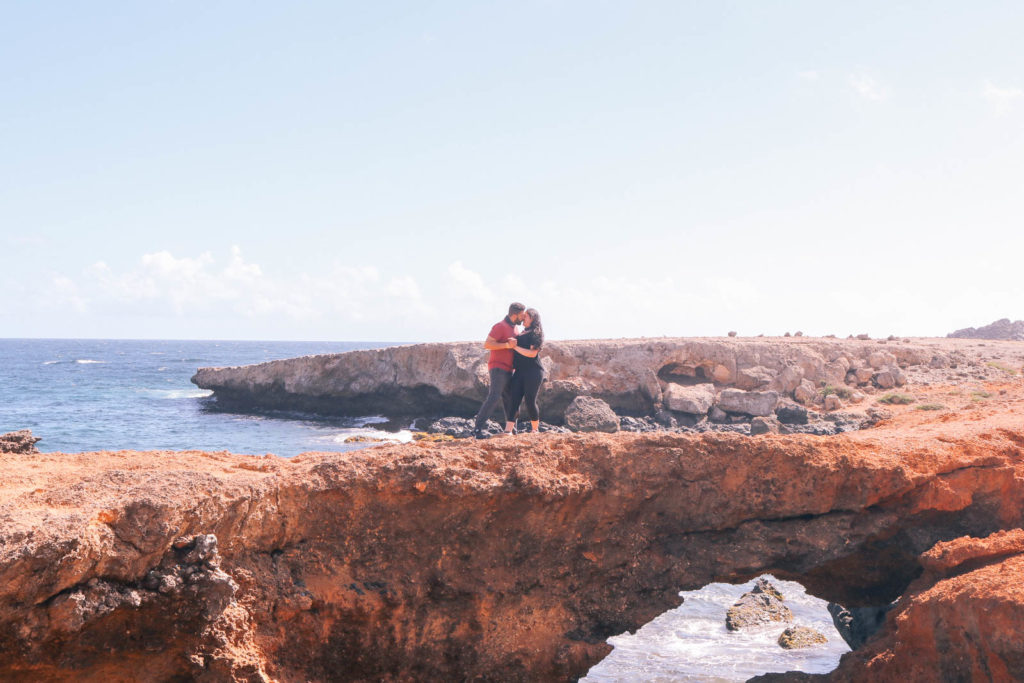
point(502, 358)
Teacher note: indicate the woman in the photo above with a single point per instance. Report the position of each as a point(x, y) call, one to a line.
point(527, 374)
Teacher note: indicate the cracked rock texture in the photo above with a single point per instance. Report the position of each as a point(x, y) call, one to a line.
point(508, 559)
point(634, 376)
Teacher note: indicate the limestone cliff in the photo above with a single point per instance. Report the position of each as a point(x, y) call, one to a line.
point(632, 375)
point(509, 559)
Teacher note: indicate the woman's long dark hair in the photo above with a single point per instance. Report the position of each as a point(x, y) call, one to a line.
point(535, 325)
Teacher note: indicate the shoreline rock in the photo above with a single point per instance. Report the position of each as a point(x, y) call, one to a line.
point(762, 605)
point(634, 376)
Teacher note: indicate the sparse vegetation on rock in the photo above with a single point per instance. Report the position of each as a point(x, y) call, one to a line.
point(895, 398)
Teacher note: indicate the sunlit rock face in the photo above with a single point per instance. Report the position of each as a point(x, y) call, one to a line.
point(634, 376)
point(514, 558)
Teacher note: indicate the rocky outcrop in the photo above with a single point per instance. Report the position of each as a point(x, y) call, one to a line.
point(635, 377)
point(961, 620)
point(20, 441)
point(762, 605)
point(1000, 329)
point(799, 637)
point(511, 558)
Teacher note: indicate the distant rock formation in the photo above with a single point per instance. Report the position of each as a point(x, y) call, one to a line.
point(1000, 329)
point(635, 377)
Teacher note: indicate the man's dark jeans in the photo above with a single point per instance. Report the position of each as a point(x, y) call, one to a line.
point(498, 392)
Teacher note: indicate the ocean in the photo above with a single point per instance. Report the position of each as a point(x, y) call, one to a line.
point(105, 394)
point(89, 395)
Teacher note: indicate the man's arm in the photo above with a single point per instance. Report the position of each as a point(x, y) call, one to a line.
point(529, 353)
point(491, 344)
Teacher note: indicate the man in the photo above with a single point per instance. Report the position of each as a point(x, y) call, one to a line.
point(500, 342)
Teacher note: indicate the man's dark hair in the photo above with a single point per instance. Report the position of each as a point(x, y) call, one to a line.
point(515, 308)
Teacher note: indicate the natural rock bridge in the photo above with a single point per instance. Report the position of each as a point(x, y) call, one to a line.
point(503, 560)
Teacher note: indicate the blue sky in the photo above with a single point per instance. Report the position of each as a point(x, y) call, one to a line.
point(401, 171)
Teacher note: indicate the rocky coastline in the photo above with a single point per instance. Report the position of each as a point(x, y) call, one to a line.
point(749, 385)
point(515, 558)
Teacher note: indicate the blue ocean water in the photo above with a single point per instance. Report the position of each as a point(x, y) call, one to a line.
point(103, 394)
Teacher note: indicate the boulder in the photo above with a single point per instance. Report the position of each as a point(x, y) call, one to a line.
point(754, 377)
point(764, 425)
point(695, 400)
point(805, 392)
point(20, 441)
point(748, 402)
point(833, 402)
point(788, 379)
point(864, 375)
point(883, 379)
point(897, 375)
point(791, 413)
point(762, 605)
point(717, 415)
point(798, 637)
point(589, 414)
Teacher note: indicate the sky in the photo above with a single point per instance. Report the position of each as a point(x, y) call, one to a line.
point(401, 171)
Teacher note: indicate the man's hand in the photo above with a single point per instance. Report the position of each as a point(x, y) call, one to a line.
point(512, 342)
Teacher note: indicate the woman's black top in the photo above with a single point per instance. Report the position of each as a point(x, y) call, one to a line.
point(527, 340)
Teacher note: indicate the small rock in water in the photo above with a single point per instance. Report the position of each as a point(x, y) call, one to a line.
point(761, 605)
point(797, 637)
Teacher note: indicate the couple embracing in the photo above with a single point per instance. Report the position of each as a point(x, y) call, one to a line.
point(515, 369)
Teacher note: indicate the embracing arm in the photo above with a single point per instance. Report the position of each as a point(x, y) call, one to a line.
point(491, 344)
point(529, 353)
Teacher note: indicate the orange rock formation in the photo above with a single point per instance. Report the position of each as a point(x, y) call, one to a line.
point(511, 559)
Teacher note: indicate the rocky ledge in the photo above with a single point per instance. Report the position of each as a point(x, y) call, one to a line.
point(508, 559)
point(687, 380)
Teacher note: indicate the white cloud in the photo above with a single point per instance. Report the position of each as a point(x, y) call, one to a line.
point(163, 284)
point(1001, 99)
point(464, 282)
point(867, 87)
point(63, 291)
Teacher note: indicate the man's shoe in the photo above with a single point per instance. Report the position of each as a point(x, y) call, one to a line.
point(480, 434)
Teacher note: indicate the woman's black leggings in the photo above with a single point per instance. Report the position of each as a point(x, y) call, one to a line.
point(525, 384)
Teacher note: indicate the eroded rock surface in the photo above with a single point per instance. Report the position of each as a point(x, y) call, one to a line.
point(800, 637)
point(512, 558)
point(20, 441)
point(635, 377)
point(962, 620)
point(761, 605)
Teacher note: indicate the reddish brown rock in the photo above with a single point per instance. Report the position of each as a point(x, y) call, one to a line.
point(964, 627)
point(456, 560)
